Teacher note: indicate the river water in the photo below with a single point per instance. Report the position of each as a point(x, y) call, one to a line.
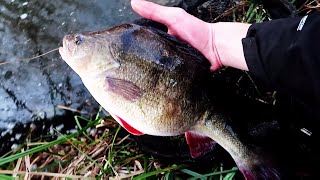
point(29, 28)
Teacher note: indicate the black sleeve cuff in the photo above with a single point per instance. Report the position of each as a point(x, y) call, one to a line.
point(253, 61)
point(265, 49)
point(283, 55)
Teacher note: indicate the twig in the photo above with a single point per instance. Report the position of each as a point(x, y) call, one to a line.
point(28, 59)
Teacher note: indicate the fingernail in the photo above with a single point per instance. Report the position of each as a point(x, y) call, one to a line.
point(136, 3)
point(141, 4)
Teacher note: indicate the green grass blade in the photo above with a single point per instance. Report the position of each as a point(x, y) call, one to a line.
point(168, 176)
point(110, 152)
point(221, 169)
point(248, 13)
point(80, 127)
point(192, 173)
point(98, 114)
point(252, 14)
point(83, 118)
point(233, 170)
point(44, 146)
point(229, 176)
point(5, 177)
point(152, 173)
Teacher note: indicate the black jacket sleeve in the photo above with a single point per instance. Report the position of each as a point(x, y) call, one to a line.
point(284, 55)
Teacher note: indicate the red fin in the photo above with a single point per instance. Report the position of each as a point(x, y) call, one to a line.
point(125, 125)
point(198, 144)
point(123, 88)
point(259, 171)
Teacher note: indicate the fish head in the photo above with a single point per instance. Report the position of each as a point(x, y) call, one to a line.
point(79, 51)
point(133, 74)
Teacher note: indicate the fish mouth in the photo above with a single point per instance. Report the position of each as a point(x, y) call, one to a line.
point(62, 50)
point(62, 53)
point(66, 49)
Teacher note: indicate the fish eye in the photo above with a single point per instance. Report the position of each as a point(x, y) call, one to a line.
point(78, 39)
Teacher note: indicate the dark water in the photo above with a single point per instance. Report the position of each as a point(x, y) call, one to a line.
point(32, 91)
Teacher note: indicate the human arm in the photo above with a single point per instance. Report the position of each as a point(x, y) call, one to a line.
point(277, 56)
point(212, 40)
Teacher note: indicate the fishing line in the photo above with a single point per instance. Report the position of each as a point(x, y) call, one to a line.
point(28, 59)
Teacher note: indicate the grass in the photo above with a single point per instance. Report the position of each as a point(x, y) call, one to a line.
point(246, 11)
point(99, 150)
point(255, 13)
point(309, 6)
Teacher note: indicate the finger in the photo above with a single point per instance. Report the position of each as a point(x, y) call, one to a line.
point(181, 24)
point(169, 16)
point(153, 11)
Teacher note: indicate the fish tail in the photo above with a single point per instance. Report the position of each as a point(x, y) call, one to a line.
point(261, 171)
point(254, 162)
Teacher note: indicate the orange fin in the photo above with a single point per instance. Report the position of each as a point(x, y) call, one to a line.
point(124, 88)
point(199, 145)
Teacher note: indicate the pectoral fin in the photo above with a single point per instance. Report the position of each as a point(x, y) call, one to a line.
point(123, 88)
point(198, 144)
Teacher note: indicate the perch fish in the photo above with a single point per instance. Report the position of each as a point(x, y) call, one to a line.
point(152, 83)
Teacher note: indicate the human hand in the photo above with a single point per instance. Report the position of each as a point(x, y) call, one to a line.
point(220, 43)
point(182, 25)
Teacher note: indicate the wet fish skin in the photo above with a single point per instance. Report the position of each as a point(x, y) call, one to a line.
point(159, 86)
point(135, 55)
